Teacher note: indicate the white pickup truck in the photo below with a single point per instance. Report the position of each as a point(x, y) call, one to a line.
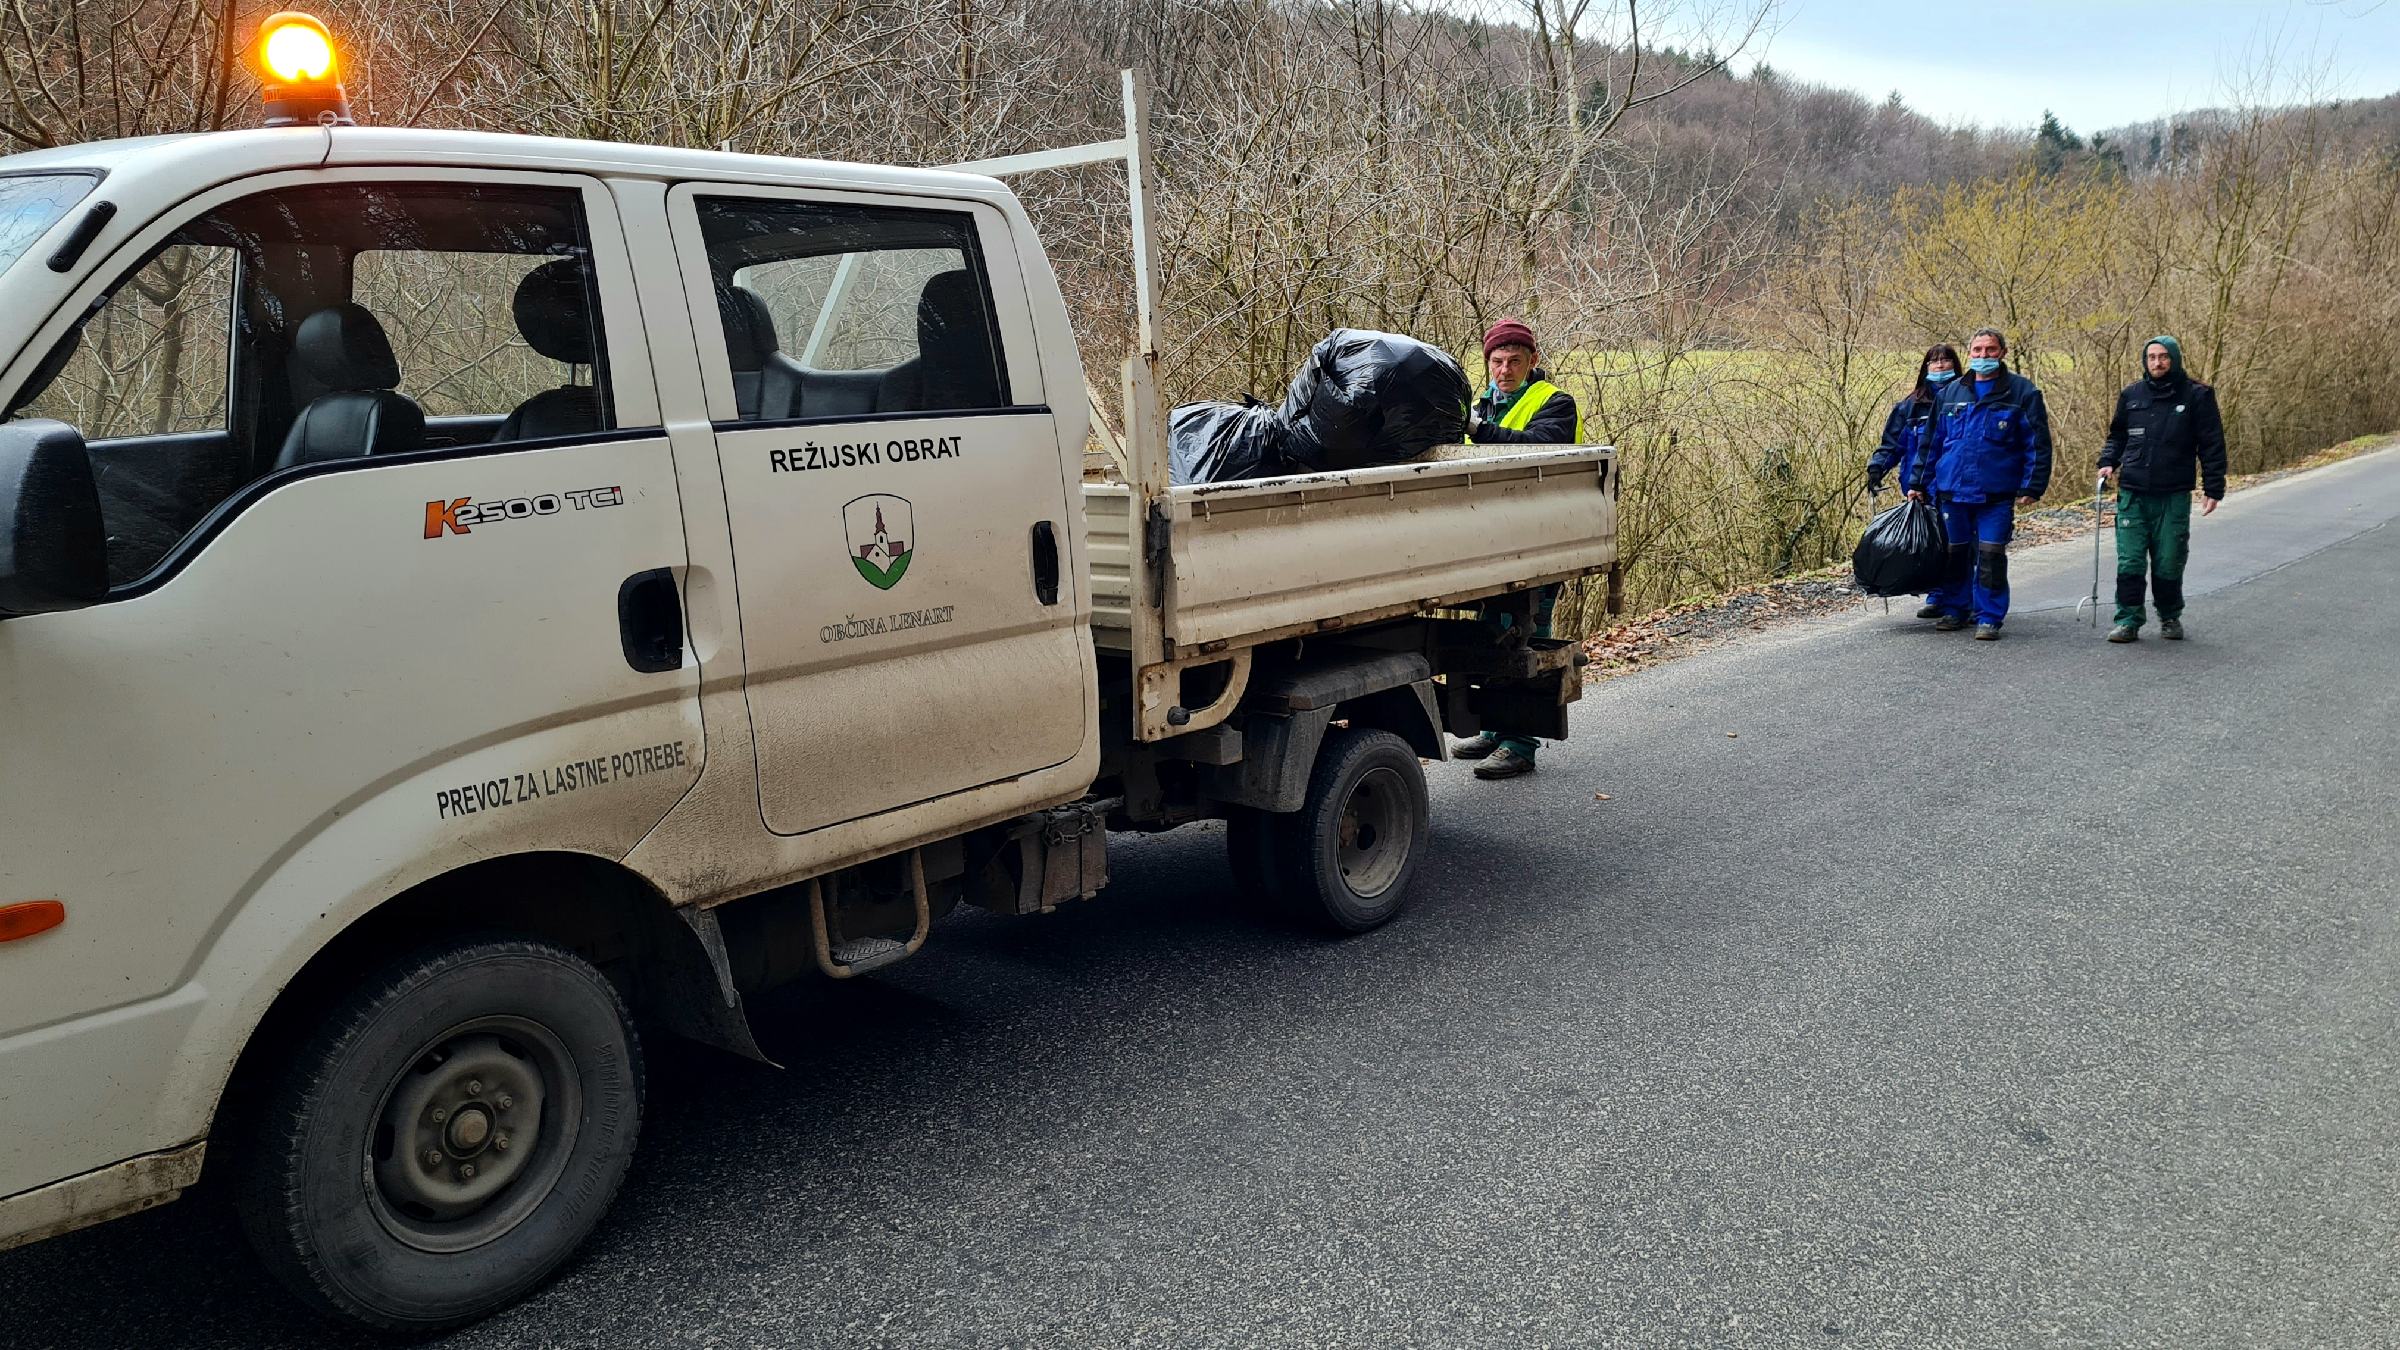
point(464, 597)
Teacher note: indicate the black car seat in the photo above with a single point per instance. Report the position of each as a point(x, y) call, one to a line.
point(344, 350)
point(954, 368)
point(766, 383)
point(554, 315)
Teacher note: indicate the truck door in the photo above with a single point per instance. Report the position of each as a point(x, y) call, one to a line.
point(395, 538)
point(898, 497)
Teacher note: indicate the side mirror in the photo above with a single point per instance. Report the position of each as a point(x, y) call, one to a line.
point(53, 546)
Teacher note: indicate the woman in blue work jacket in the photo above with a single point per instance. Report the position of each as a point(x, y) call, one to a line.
point(1910, 426)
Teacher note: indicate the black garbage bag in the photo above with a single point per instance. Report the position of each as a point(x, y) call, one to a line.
point(1902, 551)
point(1227, 442)
point(1364, 398)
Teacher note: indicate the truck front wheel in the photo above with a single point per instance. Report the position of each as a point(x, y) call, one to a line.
point(1348, 855)
point(447, 1138)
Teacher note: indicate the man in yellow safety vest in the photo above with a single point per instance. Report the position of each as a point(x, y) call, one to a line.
point(1519, 407)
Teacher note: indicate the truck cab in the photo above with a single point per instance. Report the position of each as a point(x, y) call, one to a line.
point(614, 573)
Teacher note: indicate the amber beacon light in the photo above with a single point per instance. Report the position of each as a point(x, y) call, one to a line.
point(302, 75)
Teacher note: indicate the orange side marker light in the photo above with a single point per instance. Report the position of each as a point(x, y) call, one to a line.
point(28, 917)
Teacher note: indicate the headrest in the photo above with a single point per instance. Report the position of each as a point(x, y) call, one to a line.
point(749, 326)
point(553, 313)
point(950, 312)
point(344, 348)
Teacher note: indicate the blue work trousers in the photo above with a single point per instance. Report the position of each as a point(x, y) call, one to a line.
point(1975, 575)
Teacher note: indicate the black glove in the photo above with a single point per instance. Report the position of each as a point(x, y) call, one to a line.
point(1874, 481)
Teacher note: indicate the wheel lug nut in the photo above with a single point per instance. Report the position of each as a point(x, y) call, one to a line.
point(433, 1157)
point(501, 1143)
point(506, 1101)
point(440, 1115)
point(466, 1172)
point(474, 1087)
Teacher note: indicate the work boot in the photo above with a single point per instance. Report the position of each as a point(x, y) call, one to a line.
point(1930, 612)
point(1987, 632)
point(1504, 763)
point(1949, 623)
point(1475, 747)
point(2126, 632)
point(2171, 629)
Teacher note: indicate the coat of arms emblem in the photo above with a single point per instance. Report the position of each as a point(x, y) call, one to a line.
point(882, 532)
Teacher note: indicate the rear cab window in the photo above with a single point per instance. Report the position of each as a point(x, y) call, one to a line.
point(831, 310)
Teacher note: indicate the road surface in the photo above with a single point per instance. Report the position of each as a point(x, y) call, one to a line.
point(1904, 990)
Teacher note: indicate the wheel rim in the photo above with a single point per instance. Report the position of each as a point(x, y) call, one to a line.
point(1378, 832)
point(473, 1135)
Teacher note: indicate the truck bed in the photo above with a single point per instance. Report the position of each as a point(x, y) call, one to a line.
point(1251, 562)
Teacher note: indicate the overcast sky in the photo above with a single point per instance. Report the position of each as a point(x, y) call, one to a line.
point(2096, 63)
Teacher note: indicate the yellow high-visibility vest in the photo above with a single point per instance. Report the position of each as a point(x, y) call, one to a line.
point(1536, 397)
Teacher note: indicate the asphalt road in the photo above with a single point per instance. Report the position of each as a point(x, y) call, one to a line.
point(1905, 990)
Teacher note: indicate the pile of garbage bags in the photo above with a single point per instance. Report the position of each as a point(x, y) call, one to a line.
point(1361, 398)
point(1901, 553)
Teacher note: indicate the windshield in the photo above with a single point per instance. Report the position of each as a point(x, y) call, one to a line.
point(31, 203)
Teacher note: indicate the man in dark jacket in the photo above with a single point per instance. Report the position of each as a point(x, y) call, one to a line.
point(1991, 455)
point(1519, 407)
point(2165, 423)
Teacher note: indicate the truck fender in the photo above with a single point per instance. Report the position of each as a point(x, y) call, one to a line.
point(1283, 722)
point(1411, 712)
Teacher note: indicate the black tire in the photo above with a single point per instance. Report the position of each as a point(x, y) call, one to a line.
point(336, 1181)
point(1253, 849)
point(1348, 855)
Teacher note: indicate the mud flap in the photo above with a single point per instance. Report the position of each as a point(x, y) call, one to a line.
point(1529, 700)
point(698, 999)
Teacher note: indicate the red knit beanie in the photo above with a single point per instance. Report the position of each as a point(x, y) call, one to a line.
point(1508, 333)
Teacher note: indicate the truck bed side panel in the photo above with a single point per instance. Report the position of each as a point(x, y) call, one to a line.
point(1289, 554)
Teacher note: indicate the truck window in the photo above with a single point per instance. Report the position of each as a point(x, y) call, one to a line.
point(154, 360)
point(839, 311)
point(449, 316)
point(31, 203)
point(313, 328)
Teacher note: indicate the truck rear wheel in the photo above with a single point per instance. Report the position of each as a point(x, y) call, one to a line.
point(447, 1138)
point(1348, 855)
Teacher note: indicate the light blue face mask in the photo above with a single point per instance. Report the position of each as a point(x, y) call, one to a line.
point(1940, 376)
point(1983, 365)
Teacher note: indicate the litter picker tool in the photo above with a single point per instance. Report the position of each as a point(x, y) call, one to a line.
point(2099, 493)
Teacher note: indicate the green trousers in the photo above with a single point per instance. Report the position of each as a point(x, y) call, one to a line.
point(2154, 537)
point(1545, 606)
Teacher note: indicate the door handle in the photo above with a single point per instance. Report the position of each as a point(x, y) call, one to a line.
point(650, 621)
point(1045, 562)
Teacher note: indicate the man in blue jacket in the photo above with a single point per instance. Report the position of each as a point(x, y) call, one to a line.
point(1991, 455)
